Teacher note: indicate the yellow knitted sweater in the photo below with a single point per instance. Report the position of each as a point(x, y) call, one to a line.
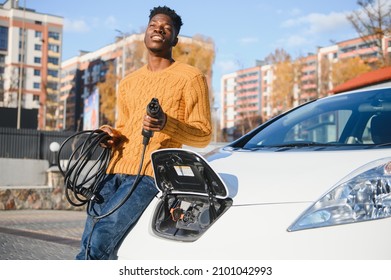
point(182, 92)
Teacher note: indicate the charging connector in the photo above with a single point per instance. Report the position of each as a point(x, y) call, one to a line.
point(153, 110)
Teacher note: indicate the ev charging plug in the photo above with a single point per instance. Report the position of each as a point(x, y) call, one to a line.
point(153, 110)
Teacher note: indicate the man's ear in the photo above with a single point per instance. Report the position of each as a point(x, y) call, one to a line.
point(175, 42)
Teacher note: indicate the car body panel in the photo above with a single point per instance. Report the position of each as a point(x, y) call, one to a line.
point(325, 161)
point(255, 227)
point(288, 176)
point(260, 233)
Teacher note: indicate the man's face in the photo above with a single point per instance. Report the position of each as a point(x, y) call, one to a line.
point(160, 35)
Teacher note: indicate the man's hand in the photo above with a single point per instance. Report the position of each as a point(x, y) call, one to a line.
point(155, 124)
point(115, 137)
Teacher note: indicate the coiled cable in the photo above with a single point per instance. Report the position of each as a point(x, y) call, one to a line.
point(82, 181)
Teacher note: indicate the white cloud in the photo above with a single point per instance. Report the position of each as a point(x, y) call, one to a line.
point(327, 23)
point(75, 25)
point(306, 30)
point(318, 23)
point(296, 41)
point(85, 25)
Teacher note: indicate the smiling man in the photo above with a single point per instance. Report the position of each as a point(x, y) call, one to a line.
point(183, 118)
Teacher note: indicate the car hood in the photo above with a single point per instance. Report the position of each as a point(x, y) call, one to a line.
point(259, 177)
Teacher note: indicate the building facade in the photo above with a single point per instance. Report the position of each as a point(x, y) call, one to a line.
point(247, 92)
point(245, 99)
point(30, 60)
point(227, 105)
point(81, 75)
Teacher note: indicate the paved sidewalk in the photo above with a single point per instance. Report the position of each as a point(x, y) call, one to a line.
point(40, 234)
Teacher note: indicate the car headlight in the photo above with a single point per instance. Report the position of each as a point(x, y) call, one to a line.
point(362, 196)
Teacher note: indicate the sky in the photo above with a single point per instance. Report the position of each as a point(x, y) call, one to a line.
point(243, 31)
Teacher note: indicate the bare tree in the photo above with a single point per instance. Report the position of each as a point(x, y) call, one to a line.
point(372, 22)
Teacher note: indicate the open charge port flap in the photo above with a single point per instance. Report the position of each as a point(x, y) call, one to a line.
point(194, 196)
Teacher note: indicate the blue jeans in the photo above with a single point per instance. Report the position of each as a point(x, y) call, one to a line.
point(102, 237)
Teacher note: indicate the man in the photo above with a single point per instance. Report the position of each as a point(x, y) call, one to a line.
point(184, 118)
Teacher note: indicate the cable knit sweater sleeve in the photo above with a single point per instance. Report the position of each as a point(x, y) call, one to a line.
point(195, 129)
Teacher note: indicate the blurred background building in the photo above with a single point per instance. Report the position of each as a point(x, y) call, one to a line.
point(30, 60)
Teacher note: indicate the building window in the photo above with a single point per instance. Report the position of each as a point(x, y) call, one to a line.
point(38, 34)
point(53, 60)
point(37, 60)
point(53, 73)
point(3, 38)
point(54, 48)
point(37, 72)
point(21, 45)
point(37, 85)
point(54, 35)
point(37, 47)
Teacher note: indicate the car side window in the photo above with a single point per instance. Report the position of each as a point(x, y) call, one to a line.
point(323, 128)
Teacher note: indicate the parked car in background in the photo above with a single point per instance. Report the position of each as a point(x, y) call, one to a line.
point(312, 183)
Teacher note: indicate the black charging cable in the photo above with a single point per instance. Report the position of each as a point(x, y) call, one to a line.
point(83, 181)
point(82, 175)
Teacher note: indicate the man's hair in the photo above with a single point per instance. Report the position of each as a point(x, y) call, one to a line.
point(177, 20)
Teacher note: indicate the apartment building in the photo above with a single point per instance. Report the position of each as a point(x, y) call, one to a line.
point(80, 76)
point(326, 57)
point(242, 98)
point(247, 92)
point(267, 77)
point(227, 105)
point(30, 59)
point(307, 79)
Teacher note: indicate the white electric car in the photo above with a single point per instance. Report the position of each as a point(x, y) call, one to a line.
point(312, 183)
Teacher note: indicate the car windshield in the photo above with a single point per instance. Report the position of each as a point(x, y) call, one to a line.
point(352, 119)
